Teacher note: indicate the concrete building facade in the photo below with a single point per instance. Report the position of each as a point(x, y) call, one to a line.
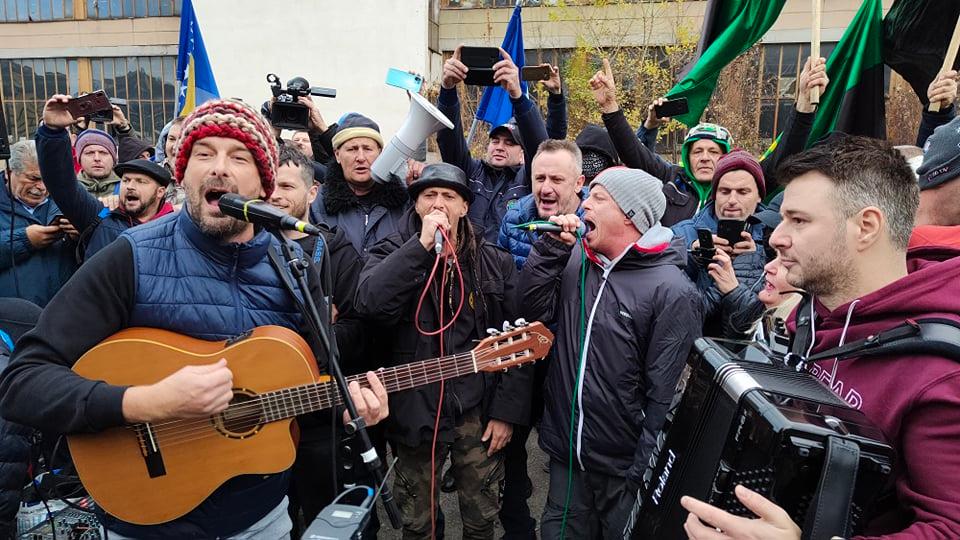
point(129, 47)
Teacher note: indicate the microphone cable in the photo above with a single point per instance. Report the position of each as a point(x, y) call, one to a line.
point(442, 328)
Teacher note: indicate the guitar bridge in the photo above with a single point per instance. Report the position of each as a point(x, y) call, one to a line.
point(150, 449)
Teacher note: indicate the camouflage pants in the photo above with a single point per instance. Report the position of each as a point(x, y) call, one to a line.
point(479, 481)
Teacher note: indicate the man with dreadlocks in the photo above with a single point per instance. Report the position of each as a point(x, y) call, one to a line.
point(470, 417)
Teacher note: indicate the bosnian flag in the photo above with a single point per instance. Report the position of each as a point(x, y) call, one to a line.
point(194, 74)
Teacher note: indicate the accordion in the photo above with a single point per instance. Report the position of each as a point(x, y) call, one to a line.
point(739, 416)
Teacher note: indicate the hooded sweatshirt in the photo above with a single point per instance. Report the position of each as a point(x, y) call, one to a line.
point(914, 400)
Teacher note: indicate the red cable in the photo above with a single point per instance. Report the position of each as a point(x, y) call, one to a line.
point(439, 331)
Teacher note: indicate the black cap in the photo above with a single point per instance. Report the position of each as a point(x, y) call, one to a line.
point(442, 175)
point(147, 167)
point(511, 128)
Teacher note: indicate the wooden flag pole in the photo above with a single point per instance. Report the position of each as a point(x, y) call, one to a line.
point(948, 59)
point(815, 45)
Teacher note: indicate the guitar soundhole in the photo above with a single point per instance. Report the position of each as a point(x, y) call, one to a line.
point(242, 418)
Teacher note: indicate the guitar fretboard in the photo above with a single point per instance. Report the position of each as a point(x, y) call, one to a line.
point(297, 400)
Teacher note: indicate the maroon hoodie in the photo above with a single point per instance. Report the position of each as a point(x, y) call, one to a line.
point(914, 400)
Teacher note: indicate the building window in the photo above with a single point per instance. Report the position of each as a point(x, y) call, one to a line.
point(35, 10)
point(148, 83)
point(26, 85)
point(781, 65)
point(125, 9)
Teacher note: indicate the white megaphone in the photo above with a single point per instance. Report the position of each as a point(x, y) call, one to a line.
point(422, 121)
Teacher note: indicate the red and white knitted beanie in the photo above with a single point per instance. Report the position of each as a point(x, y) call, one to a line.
point(235, 120)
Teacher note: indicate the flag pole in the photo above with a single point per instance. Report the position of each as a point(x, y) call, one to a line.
point(948, 60)
point(815, 45)
point(473, 131)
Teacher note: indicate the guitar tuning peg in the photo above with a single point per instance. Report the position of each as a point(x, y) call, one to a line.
point(493, 332)
point(507, 327)
point(521, 322)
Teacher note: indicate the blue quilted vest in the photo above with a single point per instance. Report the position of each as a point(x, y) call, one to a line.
point(189, 283)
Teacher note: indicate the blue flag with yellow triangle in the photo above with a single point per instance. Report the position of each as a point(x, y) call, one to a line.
point(194, 74)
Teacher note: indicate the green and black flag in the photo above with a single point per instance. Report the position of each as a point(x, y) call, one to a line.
point(853, 101)
point(916, 34)
point(730, 27)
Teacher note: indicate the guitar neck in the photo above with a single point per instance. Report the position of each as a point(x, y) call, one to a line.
point(297, 400)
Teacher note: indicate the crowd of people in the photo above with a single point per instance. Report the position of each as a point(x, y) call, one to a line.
point(101, 231)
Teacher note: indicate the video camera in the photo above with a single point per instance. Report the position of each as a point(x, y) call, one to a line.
point(286, 112)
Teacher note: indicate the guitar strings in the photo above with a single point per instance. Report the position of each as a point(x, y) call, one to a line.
point(318, 389)
point(190, 428)
point(183, 430)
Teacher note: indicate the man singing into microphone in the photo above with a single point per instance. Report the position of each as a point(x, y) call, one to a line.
point(626, 318)
point(196, 272)
point(473, 416)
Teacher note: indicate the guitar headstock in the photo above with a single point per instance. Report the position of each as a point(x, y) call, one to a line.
point(513, 347)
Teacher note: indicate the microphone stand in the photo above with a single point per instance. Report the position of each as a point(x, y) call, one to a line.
point(323, 333)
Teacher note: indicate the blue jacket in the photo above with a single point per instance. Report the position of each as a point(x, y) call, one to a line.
point(748, 267)
point(494, 190)
point(518, 241)
point(97, 225)
point(25, 272)
point(189, 283)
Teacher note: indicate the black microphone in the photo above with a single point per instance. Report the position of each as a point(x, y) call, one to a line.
point(262, 213)
point(553, 227)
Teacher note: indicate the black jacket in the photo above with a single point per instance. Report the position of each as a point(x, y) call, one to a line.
point(643, 315)
point(97, 225)
point(682, 200)
point(16, 317)
point(15, 441)
point(390, 286)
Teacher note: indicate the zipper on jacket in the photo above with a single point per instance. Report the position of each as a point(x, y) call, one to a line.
point(236, 290)
point(583, 367)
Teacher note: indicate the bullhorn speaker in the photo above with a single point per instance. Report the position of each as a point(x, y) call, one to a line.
point(422, 121)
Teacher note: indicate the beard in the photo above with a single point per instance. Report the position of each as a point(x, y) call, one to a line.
point(298, 209)
point(141, 207)
point(218, 227)
point(827, 273)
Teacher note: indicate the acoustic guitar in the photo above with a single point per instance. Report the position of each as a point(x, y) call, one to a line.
point(150, 473)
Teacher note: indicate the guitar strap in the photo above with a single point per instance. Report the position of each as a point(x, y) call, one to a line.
point(277, 262)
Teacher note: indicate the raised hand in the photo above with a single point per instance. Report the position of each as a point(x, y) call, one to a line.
point(605, 89)
point(454, 71)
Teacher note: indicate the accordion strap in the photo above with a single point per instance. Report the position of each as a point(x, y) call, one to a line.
point(829, 511)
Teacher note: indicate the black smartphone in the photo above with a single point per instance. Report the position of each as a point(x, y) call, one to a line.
point(480, 61)
point(88, 105)
point(705, 236)
point(55, 220)
point(535, 73)
point(671, 108)
point(730, 229)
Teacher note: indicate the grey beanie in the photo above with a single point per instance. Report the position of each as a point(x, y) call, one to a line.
point(941, 158)
point(638, 195)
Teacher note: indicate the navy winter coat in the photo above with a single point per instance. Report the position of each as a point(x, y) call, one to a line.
point(26, 272)
point(494, 190)
point(748, 268)
point(518, 241)
point(365, 221)
point(97, 225)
